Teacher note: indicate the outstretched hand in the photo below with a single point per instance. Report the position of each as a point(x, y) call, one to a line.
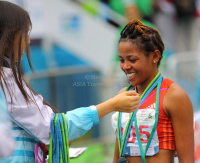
point(126, 101)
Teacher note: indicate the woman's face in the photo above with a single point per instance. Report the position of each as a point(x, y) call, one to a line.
point(136, 65)
point(23, 45)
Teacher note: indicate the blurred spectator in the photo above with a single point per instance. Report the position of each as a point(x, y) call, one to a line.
point(176, 22)
point(133, 9)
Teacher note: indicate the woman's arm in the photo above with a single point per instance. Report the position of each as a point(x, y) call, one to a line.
point(36, 119)
point(123, 102)
point(81, 120)
point(179, 107)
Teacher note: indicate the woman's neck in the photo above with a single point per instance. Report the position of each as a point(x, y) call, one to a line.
point(141, 88)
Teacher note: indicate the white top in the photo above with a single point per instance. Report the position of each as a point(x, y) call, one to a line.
point(36, 120)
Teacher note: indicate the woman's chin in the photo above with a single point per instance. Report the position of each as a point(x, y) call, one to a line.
point(133, 83)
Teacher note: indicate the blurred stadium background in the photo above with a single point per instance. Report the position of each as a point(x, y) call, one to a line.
point(74, 49)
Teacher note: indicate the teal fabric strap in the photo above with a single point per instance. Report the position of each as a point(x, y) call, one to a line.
point(122, 140)
point(59, 149)
point(144, 151)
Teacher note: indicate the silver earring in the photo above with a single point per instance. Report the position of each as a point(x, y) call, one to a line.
point(154, 61)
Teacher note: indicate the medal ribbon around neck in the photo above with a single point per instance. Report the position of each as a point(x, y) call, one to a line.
point(122, 141)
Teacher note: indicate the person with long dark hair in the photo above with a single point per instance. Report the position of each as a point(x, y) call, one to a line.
point(163, 123)
point(32, 116)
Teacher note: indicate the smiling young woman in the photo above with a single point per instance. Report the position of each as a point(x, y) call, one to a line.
point(163, 123)
point(136, 65)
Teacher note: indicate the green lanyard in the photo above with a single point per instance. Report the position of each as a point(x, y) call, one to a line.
point(144, 151)
point(59, 149)
point(122, 141)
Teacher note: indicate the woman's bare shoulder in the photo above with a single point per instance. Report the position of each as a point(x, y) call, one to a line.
point(176, 99)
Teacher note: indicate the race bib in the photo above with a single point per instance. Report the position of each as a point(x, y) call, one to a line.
point(146, 120)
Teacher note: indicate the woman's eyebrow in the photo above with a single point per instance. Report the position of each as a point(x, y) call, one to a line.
point(128, 56)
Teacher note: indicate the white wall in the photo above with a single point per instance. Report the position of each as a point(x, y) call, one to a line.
point(93, 39)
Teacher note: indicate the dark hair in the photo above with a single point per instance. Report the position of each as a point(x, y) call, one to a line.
point(144, 37)
point(14, 19)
